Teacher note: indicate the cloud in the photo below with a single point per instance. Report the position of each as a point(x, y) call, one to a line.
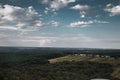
point(83, 16)
point(82, 8)
point(46, 10)
point(18, 18)
point(57, 4)
point(74, 41)
point(84, 41)
point(39, 42)
point(109, 5)
point(113, 10)
point(54, 23)
point(54, 5)
point(28, 41)
point(86, 23)
point(44, 1)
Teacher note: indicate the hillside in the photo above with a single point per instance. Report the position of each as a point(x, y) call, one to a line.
point(71, 58)
point(53, 64)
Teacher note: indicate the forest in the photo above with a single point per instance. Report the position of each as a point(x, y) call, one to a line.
point(35, 65)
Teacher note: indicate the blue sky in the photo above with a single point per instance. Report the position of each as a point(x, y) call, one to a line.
point(60, 23)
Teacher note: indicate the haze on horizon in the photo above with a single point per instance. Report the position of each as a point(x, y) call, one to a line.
point(60, 23)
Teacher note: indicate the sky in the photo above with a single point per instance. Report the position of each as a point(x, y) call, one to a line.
point(60, 23)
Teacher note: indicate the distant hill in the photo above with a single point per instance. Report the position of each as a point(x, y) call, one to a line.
point(112, 52)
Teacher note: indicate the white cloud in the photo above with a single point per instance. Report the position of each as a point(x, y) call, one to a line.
point(18, 18)
point(109, 5)
point(54, 5)
point(7, 28)
point(113, 10)
point(83, 41)
point(86, 23)
point(82, 8)
point(74, 41)
point(82, 16)
point(44, 1)
point(57, 4)
point(46, 10)
point(39, 42)
point(79, 24)
point(33, 41)
point(54, 23)
point(98, 16)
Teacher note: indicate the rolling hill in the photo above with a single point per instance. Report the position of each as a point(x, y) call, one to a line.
point(72, 58)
